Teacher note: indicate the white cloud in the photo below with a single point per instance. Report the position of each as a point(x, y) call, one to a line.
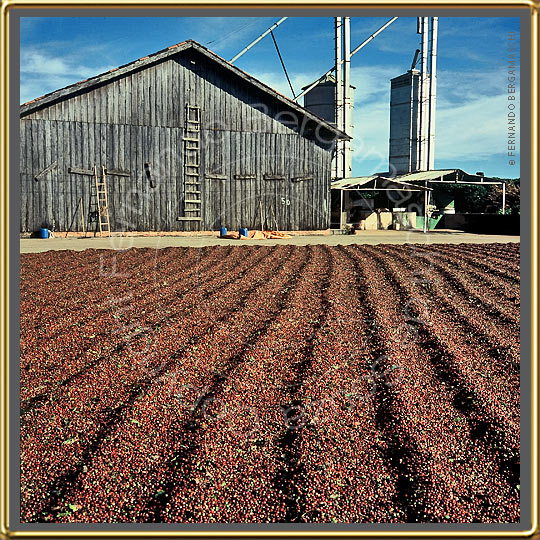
point(43, 72)
point(459, 86)
point(475, 129)
point(32, 87)
point(38, 63)
point(471, 108)
point(372, 82)
point(470, 118)
point(371, 133)
point(470, 121)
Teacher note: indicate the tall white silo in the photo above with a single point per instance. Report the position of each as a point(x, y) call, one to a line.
point(408, 134)
point(412, 108)
point(321, 100)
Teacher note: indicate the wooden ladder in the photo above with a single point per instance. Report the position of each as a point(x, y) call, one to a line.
point(192, 165)
point(102, 202)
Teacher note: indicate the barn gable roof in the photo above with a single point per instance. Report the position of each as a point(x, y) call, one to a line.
point(87, 84)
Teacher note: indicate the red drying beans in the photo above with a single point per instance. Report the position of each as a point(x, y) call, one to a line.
point(271, 384)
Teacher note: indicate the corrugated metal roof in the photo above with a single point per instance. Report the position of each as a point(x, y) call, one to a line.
point(153, 58)
point(327, 79)
point(353, 182)
point(432, 175)
point(405, 180)
point(376, 182)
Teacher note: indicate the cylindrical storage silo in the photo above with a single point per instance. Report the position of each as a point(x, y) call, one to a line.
point(321, 100)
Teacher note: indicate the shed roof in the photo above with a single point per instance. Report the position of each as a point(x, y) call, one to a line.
point(375, 182)
point(442, 174)
point(87, 84)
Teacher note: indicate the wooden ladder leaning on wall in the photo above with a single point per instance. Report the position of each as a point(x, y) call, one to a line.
point(102, 202)
point(192, 165)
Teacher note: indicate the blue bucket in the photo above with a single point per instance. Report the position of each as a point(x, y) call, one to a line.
point(243, 231)
point(44, 232)
point(222, 231)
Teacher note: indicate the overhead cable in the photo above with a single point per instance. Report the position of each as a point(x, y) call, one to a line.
point(282, 63)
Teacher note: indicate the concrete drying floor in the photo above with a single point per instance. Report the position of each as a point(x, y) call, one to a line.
point(35, 245)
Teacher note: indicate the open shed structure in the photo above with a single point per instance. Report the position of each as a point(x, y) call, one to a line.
point(373, 183)
point(181, 140)
point(453, 176)
point(420, 181)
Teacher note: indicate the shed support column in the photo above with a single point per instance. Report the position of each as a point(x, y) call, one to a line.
point(503, 197)
point(426, 195)
point(341, 209)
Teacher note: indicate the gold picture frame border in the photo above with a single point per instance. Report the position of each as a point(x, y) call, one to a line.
point(8, 5)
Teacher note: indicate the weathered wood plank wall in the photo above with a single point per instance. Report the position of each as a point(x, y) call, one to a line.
point(249, 155)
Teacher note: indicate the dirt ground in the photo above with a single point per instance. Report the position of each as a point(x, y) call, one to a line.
point(36, 245)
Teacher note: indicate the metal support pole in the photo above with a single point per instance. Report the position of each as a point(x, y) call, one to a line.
point(412, 164)
point(264, 34)
point(341, 211)
point(504, 197)
point(426, 194)
point(432, 94)
point(82, 219)
point(363, 44)
point(422, 124)
point(375, 34)
point(339, 170)
point(346, 94)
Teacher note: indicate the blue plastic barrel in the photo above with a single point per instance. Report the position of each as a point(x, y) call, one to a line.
point(243, 231)
point(44, 232)
point(222, 231)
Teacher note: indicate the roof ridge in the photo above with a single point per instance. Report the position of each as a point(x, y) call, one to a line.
point(170, 50)
point(109, 71)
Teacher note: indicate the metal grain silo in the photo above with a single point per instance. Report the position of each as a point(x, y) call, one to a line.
point(321, 100)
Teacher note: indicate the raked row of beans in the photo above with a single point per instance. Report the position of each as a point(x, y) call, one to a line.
point(271, 384)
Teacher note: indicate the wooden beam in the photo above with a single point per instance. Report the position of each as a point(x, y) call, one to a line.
point(48, 169)
point(90, 172)
point(78, 170)
point(114, 172)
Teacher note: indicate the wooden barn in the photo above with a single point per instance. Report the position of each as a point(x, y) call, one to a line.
point(180, 140)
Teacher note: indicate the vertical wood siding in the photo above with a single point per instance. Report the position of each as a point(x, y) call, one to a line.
point(139, 119)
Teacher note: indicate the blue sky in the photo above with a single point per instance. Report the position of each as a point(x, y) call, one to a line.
point(471, 130)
